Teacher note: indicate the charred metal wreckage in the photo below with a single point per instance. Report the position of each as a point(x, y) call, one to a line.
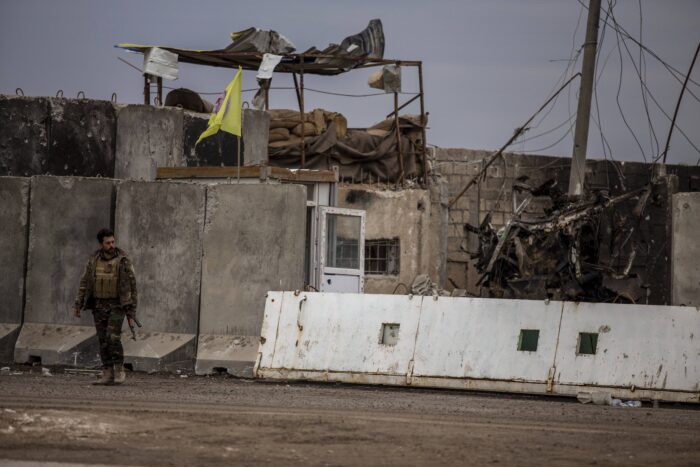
point(558, 255)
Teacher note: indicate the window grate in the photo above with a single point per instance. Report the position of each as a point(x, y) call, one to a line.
point(382, 256)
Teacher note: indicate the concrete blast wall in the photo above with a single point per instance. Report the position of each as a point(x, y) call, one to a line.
point(253, 242)
point(92, 138)
point(65, 214)
point(560, 348)
point(147, 138)
point(160, 226)
point(686, 249)
point(24, 136)
point(14, 204)
point(56, 136)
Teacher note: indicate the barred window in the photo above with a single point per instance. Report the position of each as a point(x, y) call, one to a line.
point(382, 256)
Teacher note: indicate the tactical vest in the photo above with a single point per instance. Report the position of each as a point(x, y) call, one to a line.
point(107, 277)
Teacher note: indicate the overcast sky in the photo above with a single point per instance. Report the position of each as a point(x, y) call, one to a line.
point(488, 64)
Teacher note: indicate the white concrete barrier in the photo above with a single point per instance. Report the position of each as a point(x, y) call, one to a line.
point(463, 341)
point(340, 334)
point(633, 351)
point(642, 350)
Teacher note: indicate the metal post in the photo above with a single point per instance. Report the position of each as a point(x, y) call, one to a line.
point(238, 158)
point(146, 89)
point(159, 81)
point(296, 88)
point(398, 137)
point(583, 114)
point(423, 124)
point(301, 109)
point(266, 86)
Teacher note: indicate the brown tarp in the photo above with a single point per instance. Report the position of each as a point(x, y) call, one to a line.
point(358, 156)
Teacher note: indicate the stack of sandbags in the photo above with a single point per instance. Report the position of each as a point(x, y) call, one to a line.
point(410, 126)
point(286, 127)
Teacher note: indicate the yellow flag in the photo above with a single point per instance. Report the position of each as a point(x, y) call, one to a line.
point(228, 117)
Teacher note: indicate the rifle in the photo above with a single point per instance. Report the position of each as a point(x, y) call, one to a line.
point(130, 320)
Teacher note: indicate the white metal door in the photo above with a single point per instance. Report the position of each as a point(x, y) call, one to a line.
point(341, 250)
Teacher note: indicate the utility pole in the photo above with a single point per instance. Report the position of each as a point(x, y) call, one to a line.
point(583, 114)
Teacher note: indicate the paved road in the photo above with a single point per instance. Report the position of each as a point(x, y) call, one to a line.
point(169, 420)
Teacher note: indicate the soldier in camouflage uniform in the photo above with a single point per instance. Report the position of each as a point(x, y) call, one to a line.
point(108, 288)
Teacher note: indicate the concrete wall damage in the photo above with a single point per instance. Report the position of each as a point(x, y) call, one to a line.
point(649, 278)
point(409, 219)
point(93, 138)
point(56, 136)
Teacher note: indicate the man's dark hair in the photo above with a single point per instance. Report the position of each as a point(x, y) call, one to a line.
point(104, 233)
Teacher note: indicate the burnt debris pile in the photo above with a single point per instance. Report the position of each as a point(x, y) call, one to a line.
point(569, 252)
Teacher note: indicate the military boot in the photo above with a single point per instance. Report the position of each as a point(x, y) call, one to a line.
point(107, 376)
point(119, 375)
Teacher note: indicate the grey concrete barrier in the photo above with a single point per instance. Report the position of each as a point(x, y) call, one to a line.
point(218, 150)
point(147, 138)
point(685, 272)
point(24, 135)
point(160, 225)
point(82, 139)
point(254, 239)
point(65, 215)
point(57, 136)
point(14, 205)
point(256, 131)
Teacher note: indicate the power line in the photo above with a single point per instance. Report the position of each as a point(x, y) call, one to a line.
point(642, 83)
point(574, 55)
point(643, 68)
point(568, 131)
point(619, 88)
point(305, 89)
point(548, 131)
point(599, 71)
point(619, 30)
point(672, 70)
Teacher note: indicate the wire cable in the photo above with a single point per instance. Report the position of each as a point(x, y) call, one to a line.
point(619, 89)
point(643, 69)
point(672, 70)
point(643, 86)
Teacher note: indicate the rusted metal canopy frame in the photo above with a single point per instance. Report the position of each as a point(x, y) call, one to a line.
point(296, 64)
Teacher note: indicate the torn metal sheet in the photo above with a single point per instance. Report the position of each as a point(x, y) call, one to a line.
point(260, 41)
point(558, 255)
point(249, 46)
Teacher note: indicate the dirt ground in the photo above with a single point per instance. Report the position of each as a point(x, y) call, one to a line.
point(173, 420)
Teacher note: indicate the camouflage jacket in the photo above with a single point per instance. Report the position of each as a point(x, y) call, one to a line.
point(128, 298)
